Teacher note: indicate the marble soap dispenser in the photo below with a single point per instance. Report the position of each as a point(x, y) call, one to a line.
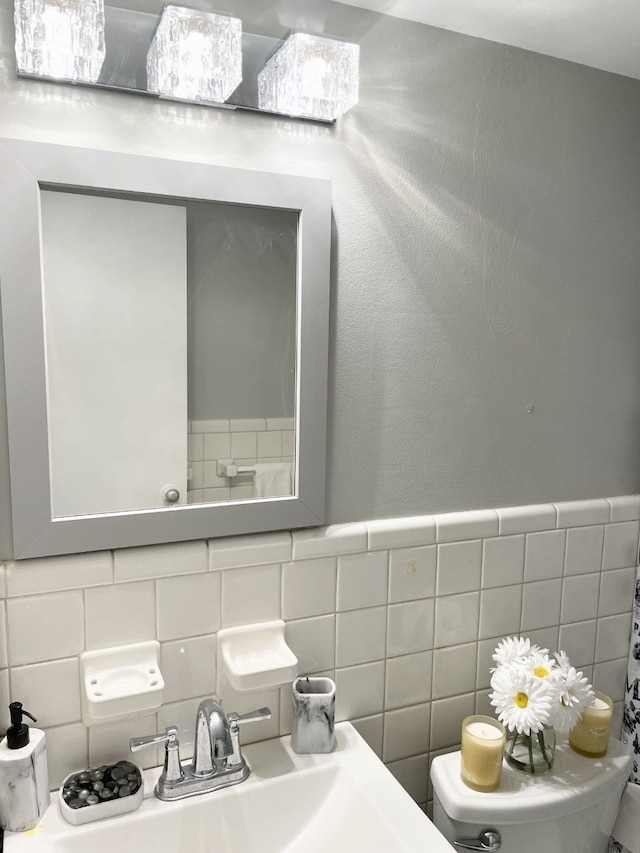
point(24, 778)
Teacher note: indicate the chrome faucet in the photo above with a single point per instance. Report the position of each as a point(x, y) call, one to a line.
point(212, 742)
point(217, 758)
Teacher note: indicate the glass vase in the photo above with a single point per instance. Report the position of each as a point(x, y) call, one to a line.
point(531, 753)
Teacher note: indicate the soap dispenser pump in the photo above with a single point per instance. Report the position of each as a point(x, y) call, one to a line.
point(24, 778)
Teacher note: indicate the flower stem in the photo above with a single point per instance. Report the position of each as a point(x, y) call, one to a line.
point(530, 745)
point(543, 749)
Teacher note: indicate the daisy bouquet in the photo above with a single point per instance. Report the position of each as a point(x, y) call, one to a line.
point(534, 694)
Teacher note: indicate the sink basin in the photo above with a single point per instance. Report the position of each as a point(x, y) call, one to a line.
point(345, 802)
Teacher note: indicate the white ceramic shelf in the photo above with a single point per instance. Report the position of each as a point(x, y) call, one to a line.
point(119, 682)
point(255, 657)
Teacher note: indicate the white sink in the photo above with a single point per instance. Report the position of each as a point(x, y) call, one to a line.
point(345, 802)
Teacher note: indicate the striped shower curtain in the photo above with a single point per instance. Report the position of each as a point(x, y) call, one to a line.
point(631, 717)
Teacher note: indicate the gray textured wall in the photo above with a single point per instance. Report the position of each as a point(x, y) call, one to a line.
point(485, 291)
point(241, 284)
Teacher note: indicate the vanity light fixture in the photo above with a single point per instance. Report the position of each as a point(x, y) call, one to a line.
point(312, 77)
point(63, 39)
point(195, 56)
point(186, 55)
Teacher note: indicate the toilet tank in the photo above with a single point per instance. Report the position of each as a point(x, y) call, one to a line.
point(572, 809)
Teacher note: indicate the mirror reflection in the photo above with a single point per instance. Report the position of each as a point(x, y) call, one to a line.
point(170, 350)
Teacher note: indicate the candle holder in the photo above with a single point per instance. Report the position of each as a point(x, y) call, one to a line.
point(590, 736)
point(481, 750)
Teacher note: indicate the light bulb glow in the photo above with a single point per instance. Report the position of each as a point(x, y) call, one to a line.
point(63, 39)
point(312, 77)
point(195, 56)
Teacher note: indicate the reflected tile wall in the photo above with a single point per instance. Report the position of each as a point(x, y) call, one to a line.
point(247, 440)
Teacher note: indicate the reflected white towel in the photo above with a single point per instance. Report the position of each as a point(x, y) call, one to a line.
point(273, 479)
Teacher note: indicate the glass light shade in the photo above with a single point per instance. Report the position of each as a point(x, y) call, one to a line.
point(195, 56)
point(311, 76)
point(63, 39)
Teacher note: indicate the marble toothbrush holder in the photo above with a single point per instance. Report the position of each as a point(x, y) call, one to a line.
point(313, 719)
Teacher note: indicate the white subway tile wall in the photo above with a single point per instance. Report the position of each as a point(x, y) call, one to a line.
point(247, 440)
point(403, 613)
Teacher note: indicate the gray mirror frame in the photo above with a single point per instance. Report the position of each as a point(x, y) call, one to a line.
point(24, 166)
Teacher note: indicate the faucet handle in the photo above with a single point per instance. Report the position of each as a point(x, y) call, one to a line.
point(170, 736)
point(236, 720)
point(172, 772)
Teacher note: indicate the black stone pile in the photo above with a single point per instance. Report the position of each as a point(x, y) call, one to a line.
point(101, 785)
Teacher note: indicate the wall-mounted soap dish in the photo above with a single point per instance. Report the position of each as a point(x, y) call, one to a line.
point(255, 657)
point(119, 682)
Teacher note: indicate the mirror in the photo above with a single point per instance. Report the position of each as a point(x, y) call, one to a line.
point(165, 347)
point(198, 297)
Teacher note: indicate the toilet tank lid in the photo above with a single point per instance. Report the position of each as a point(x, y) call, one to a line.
point(574, 783)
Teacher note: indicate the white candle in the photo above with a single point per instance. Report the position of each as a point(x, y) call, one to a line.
point(481, 752)
point(590, 736)
point(484, 731)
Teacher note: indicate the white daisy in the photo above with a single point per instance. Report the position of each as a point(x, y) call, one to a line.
point(512, 649)
point(563, 661)
point(574, 695)
point(522, 701)
point(540, 665)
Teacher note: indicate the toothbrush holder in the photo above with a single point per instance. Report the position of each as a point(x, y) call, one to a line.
point(313, 719)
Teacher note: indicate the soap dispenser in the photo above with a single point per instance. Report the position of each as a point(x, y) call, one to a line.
point(24, 778)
